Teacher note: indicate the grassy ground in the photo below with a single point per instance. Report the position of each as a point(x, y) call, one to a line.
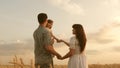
point(65, 66)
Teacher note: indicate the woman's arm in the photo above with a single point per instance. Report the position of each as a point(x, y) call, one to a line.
point(65, 42)
point(69, 54)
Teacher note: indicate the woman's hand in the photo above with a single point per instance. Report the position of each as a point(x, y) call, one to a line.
point(61, 58)
point(59, 40)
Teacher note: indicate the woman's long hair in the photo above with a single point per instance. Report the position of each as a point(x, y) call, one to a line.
point(80, 36)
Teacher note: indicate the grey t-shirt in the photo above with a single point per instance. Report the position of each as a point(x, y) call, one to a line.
point(42, 38)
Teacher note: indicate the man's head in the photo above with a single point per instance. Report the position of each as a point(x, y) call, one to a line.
point(49, 24)
point(42, 18)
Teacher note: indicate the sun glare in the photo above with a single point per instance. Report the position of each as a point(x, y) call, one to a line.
point(117, 19)
point(18, 41)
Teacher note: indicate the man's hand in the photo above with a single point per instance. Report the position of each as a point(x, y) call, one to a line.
point(53, 41)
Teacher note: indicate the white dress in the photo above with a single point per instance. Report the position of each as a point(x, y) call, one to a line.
point(77, 60)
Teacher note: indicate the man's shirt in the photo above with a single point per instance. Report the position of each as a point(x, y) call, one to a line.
point(42, 38)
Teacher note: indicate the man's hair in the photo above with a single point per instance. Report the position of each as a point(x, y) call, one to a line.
point(42, 18)
point(50, 21)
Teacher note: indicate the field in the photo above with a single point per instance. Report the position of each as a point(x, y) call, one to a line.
point(64, 66)
point(18, 63)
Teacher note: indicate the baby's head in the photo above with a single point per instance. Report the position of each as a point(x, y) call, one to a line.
point(49, 24)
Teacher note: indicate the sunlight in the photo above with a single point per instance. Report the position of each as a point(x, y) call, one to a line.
point(18, 41)
point(117, 19)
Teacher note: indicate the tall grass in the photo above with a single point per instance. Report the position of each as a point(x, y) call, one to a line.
point(18, 63)
point(65, 66)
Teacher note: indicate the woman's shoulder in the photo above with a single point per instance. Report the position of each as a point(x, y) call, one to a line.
point(73, 37)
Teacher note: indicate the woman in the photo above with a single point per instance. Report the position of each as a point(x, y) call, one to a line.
point(76, 55)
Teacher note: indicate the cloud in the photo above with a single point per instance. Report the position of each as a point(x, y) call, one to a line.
point(112, 7)
point(69, 6)
point(15, 47)
point(104, 35)
point(111, 3)
point(24, 47)
point(99, 38)
point(92, 52)
point(116, 49)
point(2, 42)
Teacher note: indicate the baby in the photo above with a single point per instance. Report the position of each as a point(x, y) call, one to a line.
point(49, 26)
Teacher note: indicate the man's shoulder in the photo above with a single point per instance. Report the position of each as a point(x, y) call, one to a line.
point(45, 30)
point(49, 30)
point(42, 29)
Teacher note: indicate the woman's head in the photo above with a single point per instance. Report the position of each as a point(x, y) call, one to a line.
point(78, 30)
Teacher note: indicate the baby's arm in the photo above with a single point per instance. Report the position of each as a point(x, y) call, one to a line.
point(55, 37)
point(58, 40)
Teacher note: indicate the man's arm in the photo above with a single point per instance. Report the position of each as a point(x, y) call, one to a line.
point(50, 49)
point(48, 44)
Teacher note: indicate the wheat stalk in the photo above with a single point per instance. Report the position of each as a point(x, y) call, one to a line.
point(16, 63)
point(32, 64)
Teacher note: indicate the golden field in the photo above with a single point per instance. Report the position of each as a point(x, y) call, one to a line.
point(65, 66)
point(18, 63)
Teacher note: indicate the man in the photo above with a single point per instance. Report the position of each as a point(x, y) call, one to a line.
point(43, 44)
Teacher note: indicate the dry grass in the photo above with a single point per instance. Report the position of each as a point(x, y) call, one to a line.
point(64, 66)
point(18, 63)
point(104, 66)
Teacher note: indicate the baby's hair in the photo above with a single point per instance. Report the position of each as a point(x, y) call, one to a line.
point(50, 21)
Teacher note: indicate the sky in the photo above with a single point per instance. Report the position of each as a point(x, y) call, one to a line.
point(100, 19)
